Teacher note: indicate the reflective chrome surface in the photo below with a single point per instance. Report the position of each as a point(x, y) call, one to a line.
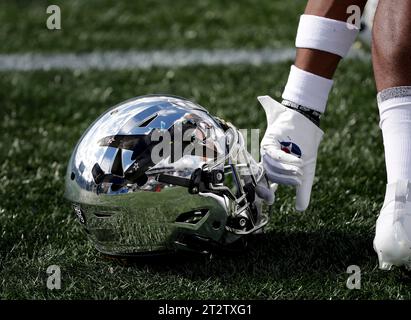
point(113, 182)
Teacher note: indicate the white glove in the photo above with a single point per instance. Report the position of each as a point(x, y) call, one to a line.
point(289, 149)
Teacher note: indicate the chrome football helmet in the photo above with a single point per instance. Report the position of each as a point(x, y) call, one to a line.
point(158, 173)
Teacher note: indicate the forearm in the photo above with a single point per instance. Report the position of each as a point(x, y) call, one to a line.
point(320, 62)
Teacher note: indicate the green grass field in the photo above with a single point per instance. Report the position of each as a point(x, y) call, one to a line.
point(42, 114)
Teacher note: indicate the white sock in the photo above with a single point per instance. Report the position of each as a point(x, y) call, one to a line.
point(395, 122)
point(307, 89)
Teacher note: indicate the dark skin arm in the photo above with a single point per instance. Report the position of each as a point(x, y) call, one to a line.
point(319, 62)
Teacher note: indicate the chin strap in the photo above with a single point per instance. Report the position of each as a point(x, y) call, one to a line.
point(178, 181)
point(200, 181)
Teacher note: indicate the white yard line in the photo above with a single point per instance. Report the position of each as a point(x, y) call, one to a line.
point(121, 60)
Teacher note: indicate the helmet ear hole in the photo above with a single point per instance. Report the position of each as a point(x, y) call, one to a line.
point(72, 176)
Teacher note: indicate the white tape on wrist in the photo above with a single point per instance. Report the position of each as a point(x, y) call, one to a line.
point(307, 89)
point(325, 34)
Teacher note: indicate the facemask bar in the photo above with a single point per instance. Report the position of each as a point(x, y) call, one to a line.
point(244, 215)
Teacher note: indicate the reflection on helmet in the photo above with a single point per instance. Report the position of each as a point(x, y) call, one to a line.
point(159, 173)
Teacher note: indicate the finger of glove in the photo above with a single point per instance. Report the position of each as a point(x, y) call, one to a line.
point(303, 194)
point(280, 167)
point(282, 178)
point(265, 193)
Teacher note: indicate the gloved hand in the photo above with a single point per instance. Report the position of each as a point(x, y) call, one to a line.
point(289, 149)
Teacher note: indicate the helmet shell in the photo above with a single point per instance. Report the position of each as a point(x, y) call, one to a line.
point(111, 179)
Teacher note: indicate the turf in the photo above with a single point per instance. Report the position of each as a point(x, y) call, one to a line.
point(300, 256)
point(148, 24)
point(42, 115)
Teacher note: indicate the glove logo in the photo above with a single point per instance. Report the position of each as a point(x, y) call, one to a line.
point(291, 148)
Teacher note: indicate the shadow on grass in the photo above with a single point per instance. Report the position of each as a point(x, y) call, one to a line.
point(273, 254)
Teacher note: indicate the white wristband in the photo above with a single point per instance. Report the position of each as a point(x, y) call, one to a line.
point(307, 89)
point(325, 34)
